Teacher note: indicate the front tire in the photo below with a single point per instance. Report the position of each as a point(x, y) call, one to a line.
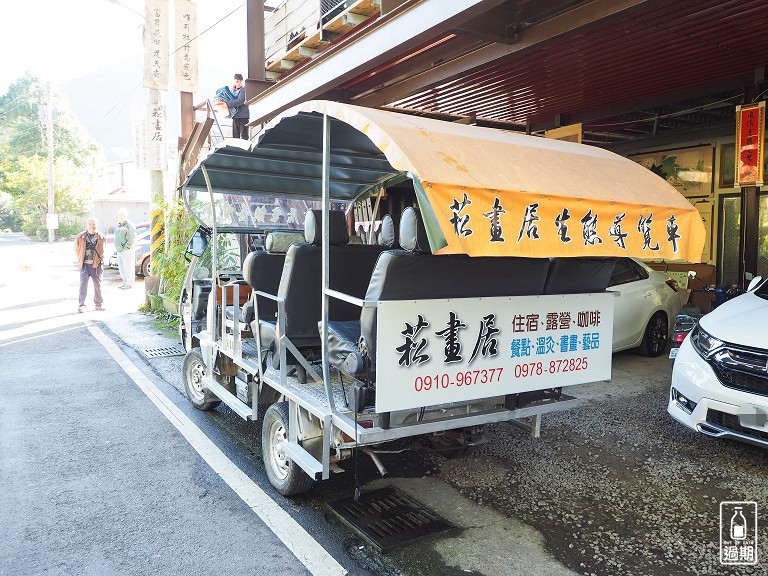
point(194, 370)
point(656, 336)
point(285, 475)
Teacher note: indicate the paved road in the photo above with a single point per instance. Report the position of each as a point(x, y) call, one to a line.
point(97, 480)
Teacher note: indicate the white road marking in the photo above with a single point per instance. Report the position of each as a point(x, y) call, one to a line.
point(299, 542)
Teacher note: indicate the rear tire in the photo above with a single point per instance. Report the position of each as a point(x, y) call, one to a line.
point(194, 370)
point(656, 336)
point(285, 475)
point(146, 267)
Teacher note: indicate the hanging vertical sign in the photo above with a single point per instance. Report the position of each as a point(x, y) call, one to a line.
point(750, 140)
point(149, 128)
point(185, 46)
point(156, 44)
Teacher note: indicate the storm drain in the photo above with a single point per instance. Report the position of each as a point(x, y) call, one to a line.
point(389, 518)
point(175, 350)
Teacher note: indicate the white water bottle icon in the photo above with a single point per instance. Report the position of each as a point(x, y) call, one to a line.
point(738, 525)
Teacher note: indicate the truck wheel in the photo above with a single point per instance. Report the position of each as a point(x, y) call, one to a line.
point(285, 475)
point(194, 370)
point(656, 335)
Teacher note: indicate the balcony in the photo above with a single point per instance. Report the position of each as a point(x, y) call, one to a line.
point(297, 29)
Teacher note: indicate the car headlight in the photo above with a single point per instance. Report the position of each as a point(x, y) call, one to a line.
point(704, 343)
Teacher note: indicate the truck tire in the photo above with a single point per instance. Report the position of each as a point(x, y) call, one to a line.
point(194, 370)
point(285, 475)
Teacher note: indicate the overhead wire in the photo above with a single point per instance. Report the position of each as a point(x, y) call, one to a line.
point(130, 93)
point(6, 112)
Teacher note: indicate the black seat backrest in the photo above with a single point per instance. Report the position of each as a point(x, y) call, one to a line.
point(578, 275)
point(404, 275)
point(262, 269)
point(201, 290)
point(350, 269)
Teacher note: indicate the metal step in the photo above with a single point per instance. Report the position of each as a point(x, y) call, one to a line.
point(242, 410)
point(304, 459)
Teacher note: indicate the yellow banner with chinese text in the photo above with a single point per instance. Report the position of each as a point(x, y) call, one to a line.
point(482, 222)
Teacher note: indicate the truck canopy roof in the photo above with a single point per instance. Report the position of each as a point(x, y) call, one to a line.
point(481, 191)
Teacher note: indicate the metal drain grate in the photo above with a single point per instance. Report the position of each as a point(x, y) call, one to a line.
point(175, 350)
point(389, 518)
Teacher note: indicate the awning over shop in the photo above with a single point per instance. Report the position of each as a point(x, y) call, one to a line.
point(481, 191)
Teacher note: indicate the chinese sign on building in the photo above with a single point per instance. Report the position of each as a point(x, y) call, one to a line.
point(185, 47)
point(438, 351)
point(149, 128)
point(750, 136)
point(156, 45)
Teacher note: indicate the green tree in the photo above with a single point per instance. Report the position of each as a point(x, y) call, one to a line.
point(24, 154)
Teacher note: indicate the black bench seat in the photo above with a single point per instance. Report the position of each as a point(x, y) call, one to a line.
point(414, 274)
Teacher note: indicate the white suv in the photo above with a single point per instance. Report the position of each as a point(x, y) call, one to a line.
point(720, 376)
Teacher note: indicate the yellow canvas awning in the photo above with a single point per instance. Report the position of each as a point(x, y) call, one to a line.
point(492, 192)
point(481, 191)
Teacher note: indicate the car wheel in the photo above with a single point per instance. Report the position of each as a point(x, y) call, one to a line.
point(284, 474)
point(146, 267)
point(656, 335)
point(194, 370)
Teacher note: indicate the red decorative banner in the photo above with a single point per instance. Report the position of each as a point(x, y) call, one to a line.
point(750, 136)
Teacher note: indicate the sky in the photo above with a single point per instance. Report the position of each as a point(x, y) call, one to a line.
point(69, 42)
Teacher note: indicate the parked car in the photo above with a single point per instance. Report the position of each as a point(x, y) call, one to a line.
point(110, 257)
point(142, 247)
point(720, 376)
point(645, 308)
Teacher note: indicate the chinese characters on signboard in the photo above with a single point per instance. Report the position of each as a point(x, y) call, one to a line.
point(185, 47)
point(149, 129)
point(750, 136)
point(585, 226)
point(437, 351)
point(156, 45)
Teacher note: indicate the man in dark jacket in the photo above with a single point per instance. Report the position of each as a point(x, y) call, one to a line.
point(89, 249)
point(242, 115)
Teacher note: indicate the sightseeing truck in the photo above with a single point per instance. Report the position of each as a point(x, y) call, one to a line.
point(478, 295)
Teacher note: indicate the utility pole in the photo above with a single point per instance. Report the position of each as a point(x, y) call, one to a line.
point(49, 129)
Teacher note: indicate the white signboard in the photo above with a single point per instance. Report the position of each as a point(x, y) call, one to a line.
point(156, 55)
point(185, 51)
point(149, 130)
point(440, 351)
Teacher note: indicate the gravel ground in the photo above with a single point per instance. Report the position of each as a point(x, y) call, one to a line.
point(616, 486)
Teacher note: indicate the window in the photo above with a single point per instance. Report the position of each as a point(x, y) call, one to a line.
point(627, 270)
